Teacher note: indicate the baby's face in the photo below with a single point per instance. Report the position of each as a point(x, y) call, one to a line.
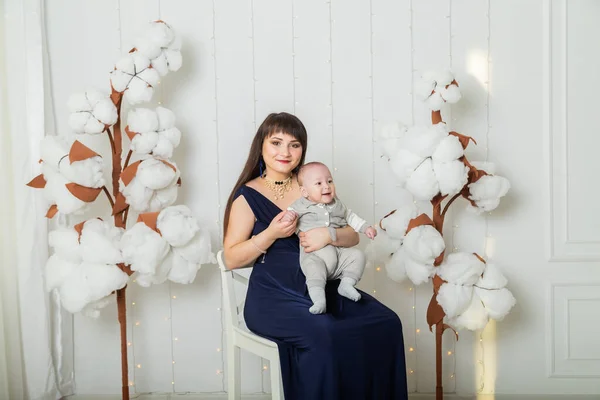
point(317, 185)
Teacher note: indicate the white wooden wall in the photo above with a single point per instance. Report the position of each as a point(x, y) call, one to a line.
point(346, 67)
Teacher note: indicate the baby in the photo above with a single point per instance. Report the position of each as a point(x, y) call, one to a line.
point(319, 207)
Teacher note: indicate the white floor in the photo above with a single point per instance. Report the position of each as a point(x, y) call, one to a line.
point(222, 396)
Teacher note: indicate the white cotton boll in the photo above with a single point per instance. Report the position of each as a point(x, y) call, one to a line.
point(443, 78)
point(488, 167)
point(390, 138)
point(449, 149)
point(451, 94)
point(452, 176)
point(165, 118)
point(90, 283)
point(173, 135)
point(96, 244)
point(177, 225)
point(395, 267)
point(65, 242)
point(422, 183)
point(435, 101)
point(144, 143)
point(58, 270)
point(454, 299)
point(159, 276)
point(57, 193)
point(475, 316)
point(106, 112)
point(380, 249)
point(425, 86)
point(92, 310)
point(497, 303)
point(418, 272)
point(163, 148)
point(103, 279)
point(52, 150)
point(395, 224)
point(136, 194)
point(88, 172)
point(461, 268)
point(143, 248)
point(124, 72)
point(91, 112)
point(403, 163)
point(154, 174)
point(159, 33)
point(182, 271)
point(492, 278)
point(147, 47)
point(424, 244)
point(139, 91)
point(142, 120)
point(198, 249)
point(487, 191)
point(163, 198)
point(174, 59)
point(424, 140)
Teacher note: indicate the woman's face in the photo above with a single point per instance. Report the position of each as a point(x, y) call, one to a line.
point(281, 153)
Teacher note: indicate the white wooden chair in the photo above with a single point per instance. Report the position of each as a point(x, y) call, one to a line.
point(239, 337)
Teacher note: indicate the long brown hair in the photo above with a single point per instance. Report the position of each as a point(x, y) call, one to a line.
point(274, 123)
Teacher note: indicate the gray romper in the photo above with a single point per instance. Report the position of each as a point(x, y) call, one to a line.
point(330, 262)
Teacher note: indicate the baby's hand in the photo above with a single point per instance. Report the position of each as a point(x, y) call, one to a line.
point(289, 216)
point(371, 232)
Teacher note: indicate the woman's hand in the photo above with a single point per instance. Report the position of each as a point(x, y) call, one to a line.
point(283, 225)
point(315, 239)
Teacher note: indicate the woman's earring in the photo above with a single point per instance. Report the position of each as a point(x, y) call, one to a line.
point(260, 166)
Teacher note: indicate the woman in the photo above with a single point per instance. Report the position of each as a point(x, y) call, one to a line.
point(355, 350)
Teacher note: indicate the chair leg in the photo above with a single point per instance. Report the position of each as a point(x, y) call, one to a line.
point(276, 384)
point(234, 389)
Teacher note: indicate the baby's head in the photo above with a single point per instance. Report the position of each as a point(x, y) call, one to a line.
point(316, 183)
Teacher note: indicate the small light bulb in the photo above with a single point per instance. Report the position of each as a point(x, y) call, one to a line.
point(139, 365)
point(374, 291)
point(128, 343)
point(449, 353)
point(173, 361)
point(176, 339)
point(218, 349)
point(137, 323)
point(378, 269)
point(418, 330)
point(172, 383)
point(133, 304)
point(265, 367)
point(130, 383)
point(218, 371)
point(174, 297)
point(411, 371)
point(411, 349)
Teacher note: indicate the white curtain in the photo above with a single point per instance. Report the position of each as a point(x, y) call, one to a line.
point(33, 361)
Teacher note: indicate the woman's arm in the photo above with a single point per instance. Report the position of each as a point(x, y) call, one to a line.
point(318, 238)
point(239, 249)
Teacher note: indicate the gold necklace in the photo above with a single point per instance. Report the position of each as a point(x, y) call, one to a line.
point(279, 188)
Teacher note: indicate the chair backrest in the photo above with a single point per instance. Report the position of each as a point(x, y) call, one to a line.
point(232, 309)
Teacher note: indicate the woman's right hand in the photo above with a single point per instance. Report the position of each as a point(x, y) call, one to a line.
point(281, 227)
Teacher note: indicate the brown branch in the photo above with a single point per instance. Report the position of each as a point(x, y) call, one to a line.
point(127, 159)
point(112, 203)
point(125, 214)
point(112, 141)
point(456, 196)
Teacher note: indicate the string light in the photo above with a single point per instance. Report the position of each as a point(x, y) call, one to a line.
point(219, 225)
point(294, 57)
point(331, 85)
point(487, 146)
point(253, 61)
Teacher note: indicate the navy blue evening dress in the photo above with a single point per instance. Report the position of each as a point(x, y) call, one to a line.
point(355, 351)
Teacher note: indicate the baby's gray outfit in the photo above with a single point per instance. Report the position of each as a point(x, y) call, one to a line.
point(330, 262)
